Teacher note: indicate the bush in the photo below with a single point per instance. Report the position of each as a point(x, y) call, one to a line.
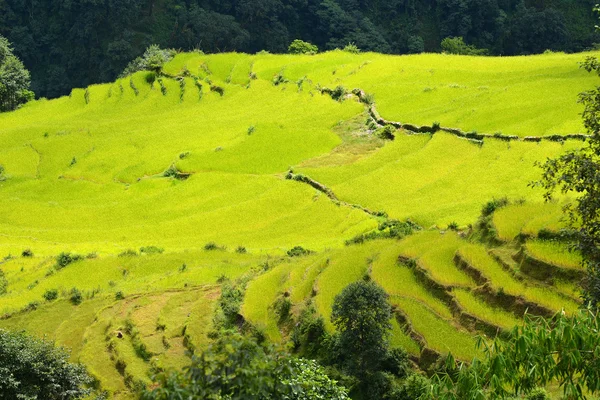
point(210, 246)
point(241, 250)
point(416, 386)
point(75, 296)
point(491, 206)
point(3, 283)
point(352, 48)
point(386, 133)
point(151, 250)
point(32, 368)
point(27, 253)
point(153, 60)
point(298, 251)
point(50, 295)
point(456, 45)
point(453, 226)
point(339, 93)
point(128, 253)
point(301, 47)
point(119, 295)
point(282, 307)
point(65, 259)
point(538, 394)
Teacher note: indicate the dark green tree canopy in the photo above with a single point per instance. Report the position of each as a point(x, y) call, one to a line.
point(31, 368)
point(14, 79)
point(361, 314)
point(76, 43)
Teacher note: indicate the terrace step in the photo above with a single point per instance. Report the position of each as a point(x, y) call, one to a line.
point(544, 271)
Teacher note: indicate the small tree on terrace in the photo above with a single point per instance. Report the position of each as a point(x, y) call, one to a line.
point(301, 47)
point(362, 314)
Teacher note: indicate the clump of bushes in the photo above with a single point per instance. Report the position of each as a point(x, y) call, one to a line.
point(3, 283)
point(211, 246)
point(128, 253)
point(457, 45)
point(241, 250)
point(298, 251)
point(50, 295)
point(386, 133)
point(75, 296)
point(352, 48)
point(390, 228)
point(153, 60)
point(301, 47)
point(151, 250)
point(65, 259)
point(279, 79)
point(491, 206)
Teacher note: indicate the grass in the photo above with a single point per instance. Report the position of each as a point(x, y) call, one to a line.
point(90, 179)
point(554, 253)
point(480, 309)
point(478, 256)
point(528, 218)
point(440, 334)
point(437, 259)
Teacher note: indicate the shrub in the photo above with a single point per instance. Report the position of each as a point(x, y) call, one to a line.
point(339, 93)
point(210, 246)
point(301, 47)
point(538, 394)
point(436, 126)
point(151, 250)
point(352, 48)
point(75, 296)
point(119, 295)
point(3, 283)
point(298, 251)
point(152, 60)
point(416, 386)
point(241, 250)
point(282, 307)
point(64, 259)
point(457, 45)
point(279, 79)
point(491, 206)
point(27, 253)
point(50, 295)
point(453, 226)
point(128, 253)
point(386, 133)
point(251, 129)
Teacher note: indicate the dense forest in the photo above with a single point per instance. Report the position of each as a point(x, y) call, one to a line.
point(73, 43)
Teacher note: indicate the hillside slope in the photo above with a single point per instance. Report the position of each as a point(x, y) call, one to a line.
point(170, 186)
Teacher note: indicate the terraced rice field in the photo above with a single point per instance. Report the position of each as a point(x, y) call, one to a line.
point(200, 156)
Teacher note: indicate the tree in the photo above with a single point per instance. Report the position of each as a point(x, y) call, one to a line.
point(578, 171)
point(14, 79)
point(236, 367)
point(153, 60)
point(301, 47)
point(361, 314)
point(563, 349)
point(31, 368)
point(457, 45)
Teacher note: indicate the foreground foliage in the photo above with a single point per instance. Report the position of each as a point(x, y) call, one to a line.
point(34, 369)
point(236, 367)
point(563, 349)
point(579, 172)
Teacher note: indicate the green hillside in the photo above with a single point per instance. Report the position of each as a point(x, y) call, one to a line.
point(169, 187)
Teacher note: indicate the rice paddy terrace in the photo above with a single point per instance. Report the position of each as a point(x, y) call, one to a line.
point(157, 190)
